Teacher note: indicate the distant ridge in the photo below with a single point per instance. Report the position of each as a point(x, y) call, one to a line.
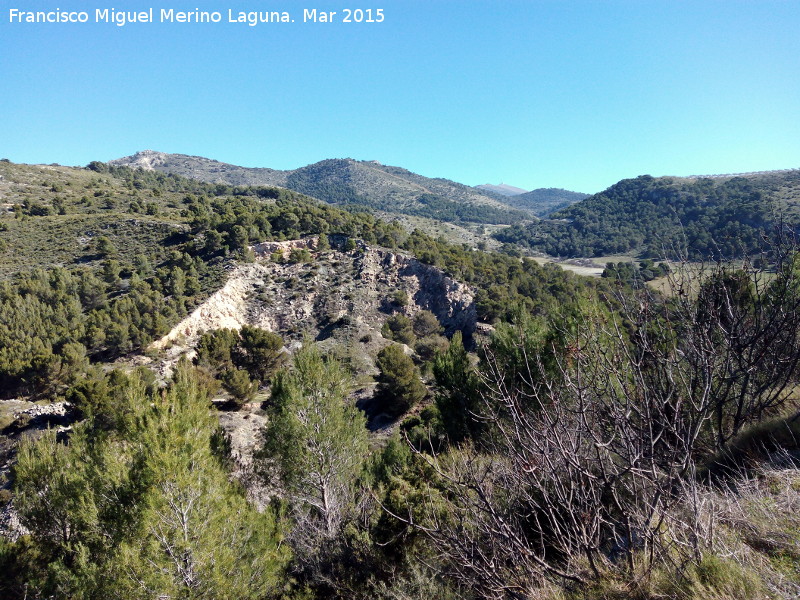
point(544, 201)
point(502, 189)
point(699, 217)
point(204, 169)
point(348, 182)
point(749, 174)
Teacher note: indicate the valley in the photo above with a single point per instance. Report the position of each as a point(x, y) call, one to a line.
point(351, 381)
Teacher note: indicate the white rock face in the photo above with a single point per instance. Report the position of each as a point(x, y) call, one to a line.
point(146, 159)
point(293, 298)
point(226, 309)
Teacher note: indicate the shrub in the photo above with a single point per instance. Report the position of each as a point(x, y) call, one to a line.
point(399, 329)
point(299, 255)
point(426, 323)
point(399, 383)
point(400, 298)
point(429, 346)
point(239, 385)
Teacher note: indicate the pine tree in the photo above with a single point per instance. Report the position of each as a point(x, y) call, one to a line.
point(259, 351)
point(145, 510)
point(238, 384)
point(457, 398)
point(198, 535)
point(399, 383)
point(317, 439)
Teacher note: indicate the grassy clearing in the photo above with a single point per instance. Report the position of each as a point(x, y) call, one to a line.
point(687, 276)
point(590, 269)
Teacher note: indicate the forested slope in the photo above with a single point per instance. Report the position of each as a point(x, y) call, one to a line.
point(367, 184)
point(670, 217)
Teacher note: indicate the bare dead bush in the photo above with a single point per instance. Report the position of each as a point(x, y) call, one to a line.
point(589, 460)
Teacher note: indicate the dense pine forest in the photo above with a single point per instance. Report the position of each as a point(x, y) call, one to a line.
point(592, 438)
point(695, 218)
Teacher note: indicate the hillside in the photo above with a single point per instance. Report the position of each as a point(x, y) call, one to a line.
point(544, 201)
point(340, 299)
point(52, 216)
point(241, 392)
point(702, 217)
point(347, 182)
point(96, 263)
point(502, 189)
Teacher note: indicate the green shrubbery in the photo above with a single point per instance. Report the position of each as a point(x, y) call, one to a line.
point(141, 508)
point(243, 360)
point(399, 383)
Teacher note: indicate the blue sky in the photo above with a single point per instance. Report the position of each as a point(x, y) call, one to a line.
point(531, 93)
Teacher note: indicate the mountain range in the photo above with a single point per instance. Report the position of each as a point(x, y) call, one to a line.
point(697, 216)
point(503, 189)
point(374, 185)
point(348, 182)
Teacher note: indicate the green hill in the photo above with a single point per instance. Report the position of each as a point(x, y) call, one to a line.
point(543, 202)
point(701, 217)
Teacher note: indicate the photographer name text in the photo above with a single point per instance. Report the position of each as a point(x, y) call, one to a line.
point(122, 18)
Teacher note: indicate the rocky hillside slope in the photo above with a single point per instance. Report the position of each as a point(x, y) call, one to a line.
point(204, 169)
point(345, 296)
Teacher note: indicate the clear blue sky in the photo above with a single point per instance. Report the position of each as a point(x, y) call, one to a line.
point(531, 93)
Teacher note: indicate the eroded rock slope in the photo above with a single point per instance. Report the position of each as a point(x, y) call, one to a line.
point(335, 290)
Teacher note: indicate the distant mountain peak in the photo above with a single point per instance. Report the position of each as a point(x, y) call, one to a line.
point(502, 189)
point(145, 159)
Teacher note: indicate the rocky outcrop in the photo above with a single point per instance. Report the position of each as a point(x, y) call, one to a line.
point(335, 287)
point(266, 249)
point(428, 287)
point(149, 160)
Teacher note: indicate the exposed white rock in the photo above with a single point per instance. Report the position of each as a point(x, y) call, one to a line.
point(295, 298)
